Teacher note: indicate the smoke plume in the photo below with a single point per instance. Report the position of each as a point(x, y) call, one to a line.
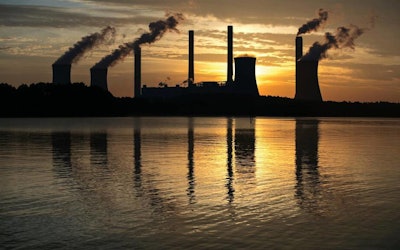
point(314, 24)
point(87, 43)
point(344, 38)
point(157, 30)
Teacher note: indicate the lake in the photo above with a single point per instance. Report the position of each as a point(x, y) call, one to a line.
point(200, 183)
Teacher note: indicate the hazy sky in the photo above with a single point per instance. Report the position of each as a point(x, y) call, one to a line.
point(35, 33)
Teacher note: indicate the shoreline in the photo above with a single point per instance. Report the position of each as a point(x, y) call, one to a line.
point(78, 100)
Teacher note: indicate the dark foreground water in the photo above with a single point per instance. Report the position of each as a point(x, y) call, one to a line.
point(200, 183)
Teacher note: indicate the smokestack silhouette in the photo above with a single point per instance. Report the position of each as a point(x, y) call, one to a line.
point(157, 30)
point(191, 59)
point(314, 24)
point(230, 55)
point(299, 47)
point(137, 72)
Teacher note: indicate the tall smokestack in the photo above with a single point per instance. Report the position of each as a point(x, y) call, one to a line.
point(230, 55)
point(61, 73)
point(299, 48)
point(138, 69)
point(98, 78)
point(245, 75)
point(191, 59)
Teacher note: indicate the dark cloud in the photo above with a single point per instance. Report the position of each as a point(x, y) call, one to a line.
point(40, 16)
point(245, 12)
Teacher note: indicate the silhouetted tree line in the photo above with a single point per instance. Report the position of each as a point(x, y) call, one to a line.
point(48, 99)
point(77, 99)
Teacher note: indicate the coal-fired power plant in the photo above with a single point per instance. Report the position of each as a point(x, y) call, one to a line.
point(245, 83)
point(307, 86)
point(98, 78)
point(240, 71)
point(61, 73)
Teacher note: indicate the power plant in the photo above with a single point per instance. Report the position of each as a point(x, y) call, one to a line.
point(245, 83)
point(242, 82)
point(307, 86)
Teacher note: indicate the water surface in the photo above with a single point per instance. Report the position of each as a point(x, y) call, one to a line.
point(200, 183)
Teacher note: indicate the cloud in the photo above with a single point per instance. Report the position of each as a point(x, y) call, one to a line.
point(55, 17)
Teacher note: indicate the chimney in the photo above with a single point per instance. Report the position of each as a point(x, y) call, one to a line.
point(98, 78)
point(307, 86)
point(62, 73)
point(299, 47)
point(230, 54)
point(137, 78)
point(245, 75)
point(191, 58)
point(298, 56)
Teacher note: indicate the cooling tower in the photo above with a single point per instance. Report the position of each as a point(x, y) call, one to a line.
point(98, 78)
point(307, 86)
point(245, 75)
point(230, 55)
point(191, 59)
point(62, 73)
point(138, 69)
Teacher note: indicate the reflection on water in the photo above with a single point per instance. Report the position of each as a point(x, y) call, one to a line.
point(137, 154)
point(61, 144)
point(190, 175)
point(307, 174)
point(98, 148)
point(229, 178)
point(245, 141)
point(199, 183)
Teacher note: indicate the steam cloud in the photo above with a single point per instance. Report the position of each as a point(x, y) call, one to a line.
point(344, 38)
point(314, 24)
point(87, 43)
point(157, 30)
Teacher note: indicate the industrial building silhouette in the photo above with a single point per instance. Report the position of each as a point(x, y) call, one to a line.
point(307, 86)
point(243, 84)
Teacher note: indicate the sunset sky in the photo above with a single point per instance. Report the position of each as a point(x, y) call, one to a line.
point(35, 33)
